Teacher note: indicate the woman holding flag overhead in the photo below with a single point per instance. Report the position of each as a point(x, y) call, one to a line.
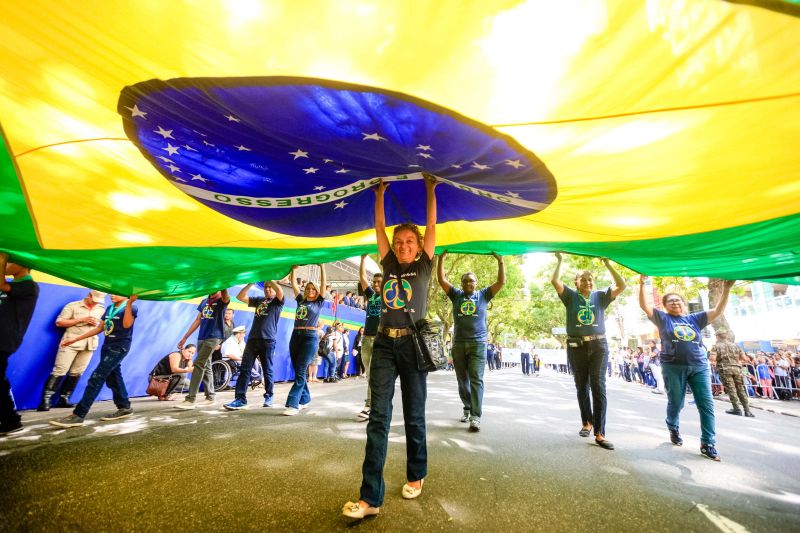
point(407, 263)
point(587, 348)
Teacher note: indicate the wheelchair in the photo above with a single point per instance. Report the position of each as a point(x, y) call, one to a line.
point(225, 373)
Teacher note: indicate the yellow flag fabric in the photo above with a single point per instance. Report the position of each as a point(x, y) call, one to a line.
point(670, 130)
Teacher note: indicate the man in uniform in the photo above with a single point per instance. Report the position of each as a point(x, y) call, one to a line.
point(730, 372)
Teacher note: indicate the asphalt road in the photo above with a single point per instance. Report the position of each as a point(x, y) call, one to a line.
point(527, 470)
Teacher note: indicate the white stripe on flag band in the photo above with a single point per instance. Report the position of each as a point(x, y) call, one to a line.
point(334, 195)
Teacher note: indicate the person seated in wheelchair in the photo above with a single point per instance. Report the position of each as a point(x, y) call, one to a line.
point(175, 367)
point(233, 348)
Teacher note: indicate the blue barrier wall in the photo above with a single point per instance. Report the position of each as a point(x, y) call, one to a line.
point(157, 330)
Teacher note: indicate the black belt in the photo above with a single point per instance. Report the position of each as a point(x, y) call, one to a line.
point(395, 332)
point(588, 338)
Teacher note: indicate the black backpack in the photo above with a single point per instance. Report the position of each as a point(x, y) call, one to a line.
point(323, 350)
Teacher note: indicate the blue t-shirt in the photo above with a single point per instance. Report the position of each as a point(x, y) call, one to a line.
point(212, 319)
point(265, 322)
point(307, 312)
point(112, 325)
point(680, 338)
point(586, 317)
point(373, 319)
point(469, 314)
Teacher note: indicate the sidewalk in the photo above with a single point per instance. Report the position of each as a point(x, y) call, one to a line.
point(781, 407)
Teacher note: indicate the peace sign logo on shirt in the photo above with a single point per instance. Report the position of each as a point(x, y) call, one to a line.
point(302, 312)
point(684, 332)
point(208, 311)
point(261, 310)
point(586, 316)
point(468, 307)
point(392, 296)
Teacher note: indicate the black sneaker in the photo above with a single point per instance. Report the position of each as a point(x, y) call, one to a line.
point(675, 437)
point(708, 450)
point(11, 428)
point(737, 412)
point(118, 415)
point(749, 414)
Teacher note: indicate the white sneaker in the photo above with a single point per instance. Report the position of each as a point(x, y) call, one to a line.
point(185, 405)
point(207, 402)
point(305, 406)
point(291, 411)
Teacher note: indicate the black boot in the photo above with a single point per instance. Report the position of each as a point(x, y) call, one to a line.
point(49, 389)
point(66, 391)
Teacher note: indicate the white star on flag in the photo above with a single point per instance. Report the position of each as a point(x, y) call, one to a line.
point(342, 171)
point(167, 134)
point(515, 163)
point(231, 118)
point(176, 178)
point(243, 148)
point(479, 166)
point(299, 153)
point(372, 137)
point(456, 166)
point(189, 148)
point(414, 166)
point(172, 150)
point(310, 170)
point(319, 188)
point(426, 156)
point(165, 159)
point(208, 143)
point(340, 205)
point(173, 168)
point(512, 194)
point(324, 160)
point(425, 147)
point(198, 177)
point(136, 112)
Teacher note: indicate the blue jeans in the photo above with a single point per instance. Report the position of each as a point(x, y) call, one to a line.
point(330, 364)
point(390, 358)
point(525, 360)
point(469, 360)
point(108, 371)
point(263, 349)
point(302, 350)
point(588, 365)
point(698, 377)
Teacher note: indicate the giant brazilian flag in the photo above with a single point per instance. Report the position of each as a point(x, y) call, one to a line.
point(171, 148)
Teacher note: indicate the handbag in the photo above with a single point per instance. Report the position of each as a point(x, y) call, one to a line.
point(428, 342)
point(157, 387)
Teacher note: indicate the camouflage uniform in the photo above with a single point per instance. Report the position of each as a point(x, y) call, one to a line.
point(730, 371)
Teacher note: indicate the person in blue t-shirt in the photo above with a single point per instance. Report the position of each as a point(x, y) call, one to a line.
point(304, 341)
point(117, 324)
point(260, 343)
point(469, 337)
point(587, 348)
point(210, 320)
point(684, 361)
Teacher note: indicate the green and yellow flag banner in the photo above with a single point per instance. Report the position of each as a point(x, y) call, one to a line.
point(171, 148)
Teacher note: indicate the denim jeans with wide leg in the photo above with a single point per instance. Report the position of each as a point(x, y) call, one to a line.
point(263, 350)
point(392, 357)
point(469, 360)
point(698, 377)
point(108, 372)
point(202, 369)
point(588, 364)
point(302, 349)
